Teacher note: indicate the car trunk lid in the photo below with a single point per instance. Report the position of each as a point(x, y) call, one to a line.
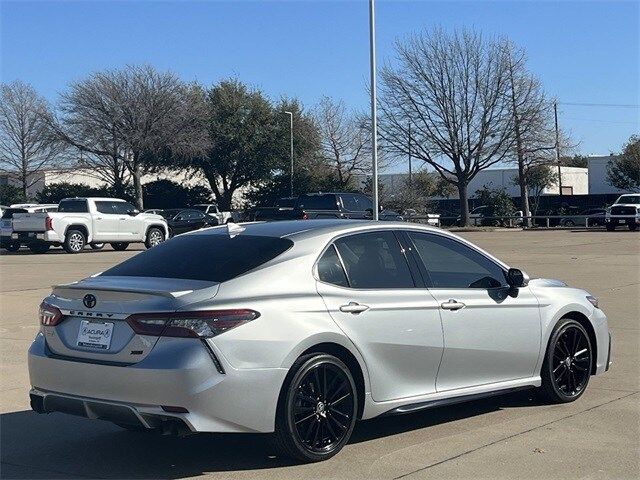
point(95, 310)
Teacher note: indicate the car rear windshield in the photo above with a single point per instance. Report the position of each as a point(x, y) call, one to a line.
point(73, 206)
point(8, 213)
point(214, 258)
point(318, 202)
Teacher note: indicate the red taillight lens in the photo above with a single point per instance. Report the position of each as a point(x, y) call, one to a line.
point(200, 324)
point(305, 216)
point(49, 315)
point(48, 224)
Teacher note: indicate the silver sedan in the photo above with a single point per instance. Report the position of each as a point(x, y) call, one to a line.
point(302, 328)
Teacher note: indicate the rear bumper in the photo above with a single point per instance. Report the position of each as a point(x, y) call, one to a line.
point(176, 373)
point(622, 219)
point(36, 237)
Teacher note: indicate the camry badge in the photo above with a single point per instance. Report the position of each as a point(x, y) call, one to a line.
point(89, 300)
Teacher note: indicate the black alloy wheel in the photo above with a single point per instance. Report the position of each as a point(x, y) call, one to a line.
point(318, 409)
point(567, 366)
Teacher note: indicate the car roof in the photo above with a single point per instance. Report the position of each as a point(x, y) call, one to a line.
point(99, 199)
point(300, 229)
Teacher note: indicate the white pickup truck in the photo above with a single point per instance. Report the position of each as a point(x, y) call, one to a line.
point(82, 221)
point(625, 211)
point(212, 210)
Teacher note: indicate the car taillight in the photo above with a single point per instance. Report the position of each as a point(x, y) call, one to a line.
point(48, 223)
point(305, 216)
point(49, 315)
point(199, 324)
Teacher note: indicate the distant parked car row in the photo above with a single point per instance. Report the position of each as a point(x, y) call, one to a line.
point(75, 223)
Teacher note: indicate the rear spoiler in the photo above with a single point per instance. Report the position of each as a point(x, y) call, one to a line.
point(169, 288)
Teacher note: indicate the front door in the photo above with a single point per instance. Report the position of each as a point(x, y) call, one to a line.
point(106, 221)
point(370, 292)
point(491, 333)
point(131, 225)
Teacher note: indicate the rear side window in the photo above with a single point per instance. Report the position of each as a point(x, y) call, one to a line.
point(374, 260)
point(330, 268)
point(73, 206)
point(318, 202)
point(214, 258)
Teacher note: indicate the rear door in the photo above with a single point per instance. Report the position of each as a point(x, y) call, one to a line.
point(491, 334)
point(374, 296)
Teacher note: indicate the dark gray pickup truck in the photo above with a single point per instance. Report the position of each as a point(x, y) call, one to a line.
point(319, 205)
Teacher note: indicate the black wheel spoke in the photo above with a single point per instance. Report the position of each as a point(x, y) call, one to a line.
point(322, 409)
point(571, 360)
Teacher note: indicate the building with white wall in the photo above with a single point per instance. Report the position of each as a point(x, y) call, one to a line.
point(575, 181)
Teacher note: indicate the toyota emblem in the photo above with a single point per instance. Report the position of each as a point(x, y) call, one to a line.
point(89, 300)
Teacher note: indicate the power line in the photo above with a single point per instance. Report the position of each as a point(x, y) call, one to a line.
point(615, 105)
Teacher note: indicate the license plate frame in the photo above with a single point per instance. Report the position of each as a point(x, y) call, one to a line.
point(95, 335)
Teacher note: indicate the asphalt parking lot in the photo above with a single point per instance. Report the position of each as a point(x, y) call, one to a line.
point(512, 436)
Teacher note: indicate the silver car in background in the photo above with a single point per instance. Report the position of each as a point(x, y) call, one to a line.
point(301, 328)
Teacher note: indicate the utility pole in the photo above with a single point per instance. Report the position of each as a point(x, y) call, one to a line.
point(410, 169)
point(374, 119)
point(291, 147)
point(555, 114)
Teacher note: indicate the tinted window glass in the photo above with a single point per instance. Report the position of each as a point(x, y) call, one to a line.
point(8, 213)
point(374, 260)
point(629, 199)
point(106, 207)
point(350, 202)
point(123, 207)
point(330, 269)
point(365, 202)
point(215, 258)
point(452, 264)
point(73, 206)
point(318, 202)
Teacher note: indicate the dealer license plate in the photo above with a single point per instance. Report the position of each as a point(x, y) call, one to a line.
point(95, 335)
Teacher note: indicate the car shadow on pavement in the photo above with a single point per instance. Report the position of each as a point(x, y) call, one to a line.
point(61, 446)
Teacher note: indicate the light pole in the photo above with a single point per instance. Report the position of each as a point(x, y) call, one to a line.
point(291, 146)
point(374, 119)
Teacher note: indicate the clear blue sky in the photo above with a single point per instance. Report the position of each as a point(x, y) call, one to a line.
point(585, 52)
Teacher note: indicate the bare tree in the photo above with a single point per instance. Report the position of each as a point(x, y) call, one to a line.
point(533, 129)
point(450, 91)
point(131, 118)
point(345, 141)
point(27, 145)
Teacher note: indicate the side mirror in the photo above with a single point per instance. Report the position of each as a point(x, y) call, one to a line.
point(133, 213)
point(517, 278)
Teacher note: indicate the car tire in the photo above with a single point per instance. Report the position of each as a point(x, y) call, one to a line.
point(119, 246)
point(12, 247)
point(155, 237)
point(610, 227)
point(39, 248)
point(96, 246)
point(567, 363)
point(633, 227)
point(74, 241)
point(317, 408)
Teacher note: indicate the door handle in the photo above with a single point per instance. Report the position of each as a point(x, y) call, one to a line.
point(452, 305)
point(354, 308)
